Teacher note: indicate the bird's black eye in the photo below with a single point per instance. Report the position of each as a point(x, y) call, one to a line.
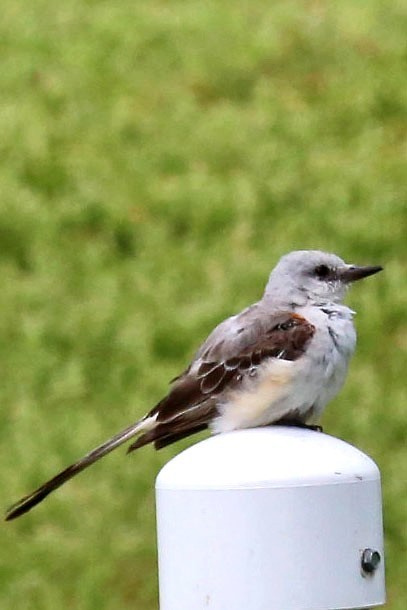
point(322, 271)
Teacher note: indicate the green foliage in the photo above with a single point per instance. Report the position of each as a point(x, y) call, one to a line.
point(157, 159)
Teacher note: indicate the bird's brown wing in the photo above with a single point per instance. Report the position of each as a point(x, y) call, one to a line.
point(221, 365)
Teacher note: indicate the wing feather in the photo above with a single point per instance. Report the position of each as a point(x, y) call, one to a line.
point(234, 350)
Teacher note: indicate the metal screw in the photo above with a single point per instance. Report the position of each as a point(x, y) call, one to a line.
point(370, 560)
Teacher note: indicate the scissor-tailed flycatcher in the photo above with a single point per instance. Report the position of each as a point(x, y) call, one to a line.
point(279, 361)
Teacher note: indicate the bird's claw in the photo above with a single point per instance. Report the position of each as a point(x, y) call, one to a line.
point(300, 424)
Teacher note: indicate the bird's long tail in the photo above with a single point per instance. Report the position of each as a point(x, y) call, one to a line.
point(34, 498)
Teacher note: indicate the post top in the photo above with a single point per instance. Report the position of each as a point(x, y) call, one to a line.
point(274, 456)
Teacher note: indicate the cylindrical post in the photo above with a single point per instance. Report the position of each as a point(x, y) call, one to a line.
point(271, 518)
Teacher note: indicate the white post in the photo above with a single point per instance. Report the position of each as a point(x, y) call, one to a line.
point(272, 518)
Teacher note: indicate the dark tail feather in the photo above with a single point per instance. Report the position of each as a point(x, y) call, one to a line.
point(28, 502)
point(168, 431)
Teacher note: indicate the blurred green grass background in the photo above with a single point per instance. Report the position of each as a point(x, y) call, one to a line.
point(156, 160)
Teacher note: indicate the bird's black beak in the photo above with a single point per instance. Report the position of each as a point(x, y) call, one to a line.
point(353, 273)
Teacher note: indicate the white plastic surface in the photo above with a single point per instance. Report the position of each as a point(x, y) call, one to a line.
point(269, 519)
point(270, 457)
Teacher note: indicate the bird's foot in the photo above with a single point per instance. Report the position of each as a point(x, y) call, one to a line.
point(314, 427)
point(299, 424)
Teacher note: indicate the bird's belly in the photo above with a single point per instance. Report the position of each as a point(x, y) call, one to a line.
point(297, 390)
point(254, 403)
point(266, 398)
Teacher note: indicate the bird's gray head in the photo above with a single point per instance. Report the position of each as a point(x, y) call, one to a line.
point(313, 277)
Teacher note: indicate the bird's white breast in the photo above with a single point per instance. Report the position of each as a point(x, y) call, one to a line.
point(329, 351)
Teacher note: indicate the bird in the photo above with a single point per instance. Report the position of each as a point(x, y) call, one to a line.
point(279, 361)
